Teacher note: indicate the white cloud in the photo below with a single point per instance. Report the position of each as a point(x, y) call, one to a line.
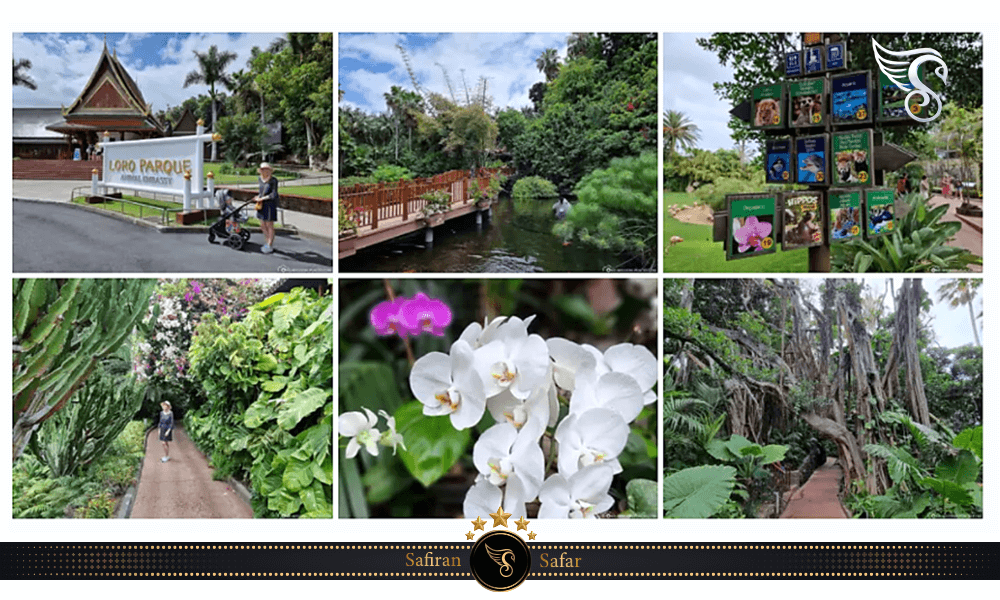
point(506, 60)
point(61, 65)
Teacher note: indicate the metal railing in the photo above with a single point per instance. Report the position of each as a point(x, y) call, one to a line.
point(164, 220)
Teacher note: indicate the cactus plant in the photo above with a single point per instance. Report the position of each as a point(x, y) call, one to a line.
point(87, 427)
point(62, 328)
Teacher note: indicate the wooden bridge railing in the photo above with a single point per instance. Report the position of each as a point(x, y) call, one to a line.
point(375, 202)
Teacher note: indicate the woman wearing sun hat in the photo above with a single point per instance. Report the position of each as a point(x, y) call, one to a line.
point(166, 429)
point(267, 205)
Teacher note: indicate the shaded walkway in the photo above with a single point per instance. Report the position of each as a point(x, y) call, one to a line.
point(183, 487)
point(819, 498)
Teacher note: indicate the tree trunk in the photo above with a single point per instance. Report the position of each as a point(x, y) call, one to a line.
point(907, 315)
point(214, 119)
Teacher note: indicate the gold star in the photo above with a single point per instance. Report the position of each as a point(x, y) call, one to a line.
point(469, 535)
point(500, 517)
point(478, 524)
point(522, 524)
point(531, 535)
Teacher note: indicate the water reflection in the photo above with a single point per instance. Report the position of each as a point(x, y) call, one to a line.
point(508, 243)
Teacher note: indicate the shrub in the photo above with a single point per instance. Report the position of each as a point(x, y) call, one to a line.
point(101, 506)
point(531, 188)
point(438, 201)
point(391, 173)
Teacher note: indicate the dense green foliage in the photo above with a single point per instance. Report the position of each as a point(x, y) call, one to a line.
point(600, 106)
point(37, 493)
point(62, 329)
point(268, 411)
point(617, 208)
point(533, 188)
point(244, 135)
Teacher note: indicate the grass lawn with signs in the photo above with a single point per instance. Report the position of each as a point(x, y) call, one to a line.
point(699, 254)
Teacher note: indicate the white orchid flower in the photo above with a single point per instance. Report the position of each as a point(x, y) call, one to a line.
point(636, 361)
point(583, 495)
point(361, 430)
point(513, 360)
point(482, 499)
point(568, 359)
point(530, 416)
point(617, 392)
point(389, 437)
point(596, 436)
point(512, 462)
point(448, 385)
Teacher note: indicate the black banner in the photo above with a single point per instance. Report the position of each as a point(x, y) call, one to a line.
point(548, 561)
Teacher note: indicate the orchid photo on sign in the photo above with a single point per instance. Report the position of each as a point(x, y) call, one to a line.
point(752, 222)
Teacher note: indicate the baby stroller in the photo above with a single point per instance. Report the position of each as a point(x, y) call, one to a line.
point(229, 228)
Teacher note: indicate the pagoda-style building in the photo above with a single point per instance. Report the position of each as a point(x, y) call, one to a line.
point(111, 101)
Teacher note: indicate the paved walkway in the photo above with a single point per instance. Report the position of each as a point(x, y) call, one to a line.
point(968, 236)
point(182, 488)
point(819, 498)
point(61, 191)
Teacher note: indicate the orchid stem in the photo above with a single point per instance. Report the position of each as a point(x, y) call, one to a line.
point(406, 343)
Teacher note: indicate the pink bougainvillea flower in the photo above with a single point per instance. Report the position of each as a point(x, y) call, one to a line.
point(421, 314)
point(752, 234)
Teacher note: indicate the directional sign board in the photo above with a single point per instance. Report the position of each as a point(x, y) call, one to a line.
point(767, 106)
point(812, 159)
point(752, 222)
point(892, 100)
point(850, 98)
point(802, 222)
point(807, 103)
point(779, 161)
point(845, 215)
point(852, 156)
point(880, 212)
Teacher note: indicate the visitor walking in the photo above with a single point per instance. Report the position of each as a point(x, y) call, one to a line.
point(946, 186)
point(925, 188)
point(166, 429)
point(267, 205)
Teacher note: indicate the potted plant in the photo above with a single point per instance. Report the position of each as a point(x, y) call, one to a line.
point(438, 202)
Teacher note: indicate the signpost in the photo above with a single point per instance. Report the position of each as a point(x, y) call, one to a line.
point(848, 155)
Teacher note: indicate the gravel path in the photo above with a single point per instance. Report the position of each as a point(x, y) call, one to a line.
point(182, 488)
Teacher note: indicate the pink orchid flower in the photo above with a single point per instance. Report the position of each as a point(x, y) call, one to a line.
point(752, 234)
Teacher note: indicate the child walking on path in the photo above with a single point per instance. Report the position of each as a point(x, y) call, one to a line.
point(166, 429)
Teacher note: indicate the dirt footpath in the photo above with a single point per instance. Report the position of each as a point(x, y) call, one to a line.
point(182, 488)
point(819, 497)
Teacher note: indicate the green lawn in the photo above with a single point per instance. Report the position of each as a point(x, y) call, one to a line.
point(699, 254)
point(310, 191)
point(135, 211)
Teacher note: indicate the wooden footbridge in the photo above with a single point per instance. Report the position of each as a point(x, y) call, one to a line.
point(385, 211)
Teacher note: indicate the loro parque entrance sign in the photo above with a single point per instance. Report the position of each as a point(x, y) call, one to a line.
point(172, 166)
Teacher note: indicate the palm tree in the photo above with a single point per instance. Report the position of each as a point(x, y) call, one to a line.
point(20, 78)
point(678, 130)
point(212, 66)
point(548, 63)
point(962, 291)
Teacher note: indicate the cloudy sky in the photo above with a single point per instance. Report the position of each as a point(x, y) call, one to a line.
point(61, 63)
point(370, 64)
point(688, 75)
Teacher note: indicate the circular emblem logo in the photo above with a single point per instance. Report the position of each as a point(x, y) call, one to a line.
point(500, 560)
point(915, 108)
point(784, 175)
point(855, 230)
point(776, 119)
point(819, 176)
point(861, 114)
point(766, 243)
point(817, 117)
